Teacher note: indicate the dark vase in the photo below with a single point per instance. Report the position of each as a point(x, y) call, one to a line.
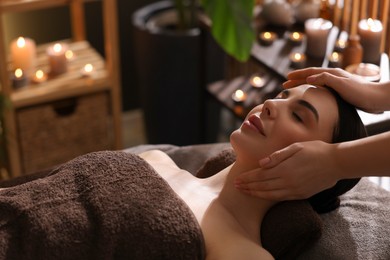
point(171, 77)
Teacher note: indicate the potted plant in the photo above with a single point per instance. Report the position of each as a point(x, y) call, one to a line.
point(170, 53)
point(231, 23)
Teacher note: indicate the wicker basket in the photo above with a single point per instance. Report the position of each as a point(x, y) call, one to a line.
point(50, 134)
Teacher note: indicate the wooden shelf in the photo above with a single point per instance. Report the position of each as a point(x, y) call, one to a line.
point(11, 6)
point(68, 84)
point(103, 83)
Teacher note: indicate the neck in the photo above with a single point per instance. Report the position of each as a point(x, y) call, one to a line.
point(247, 210)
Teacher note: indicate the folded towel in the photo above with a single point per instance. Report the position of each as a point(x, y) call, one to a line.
point(104, 205)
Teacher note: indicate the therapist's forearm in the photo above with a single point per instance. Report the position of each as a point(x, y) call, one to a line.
point(364, 157)
point(383, 96)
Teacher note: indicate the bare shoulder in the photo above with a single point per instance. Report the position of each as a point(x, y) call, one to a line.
point(157, 157)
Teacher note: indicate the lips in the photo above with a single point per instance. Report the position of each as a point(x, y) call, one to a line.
point(255, 121)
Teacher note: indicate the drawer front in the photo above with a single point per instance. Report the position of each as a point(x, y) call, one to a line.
point(53, 133)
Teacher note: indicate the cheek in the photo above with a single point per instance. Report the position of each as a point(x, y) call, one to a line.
point(288, 135)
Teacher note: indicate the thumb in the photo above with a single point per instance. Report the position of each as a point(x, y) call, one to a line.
point(280, 156)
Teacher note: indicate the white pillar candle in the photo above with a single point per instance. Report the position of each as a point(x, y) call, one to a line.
point(370, 32)
point(57, 58)
point(317, 31)
point(23, 55)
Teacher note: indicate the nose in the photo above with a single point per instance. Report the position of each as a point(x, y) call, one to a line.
point(269, 109)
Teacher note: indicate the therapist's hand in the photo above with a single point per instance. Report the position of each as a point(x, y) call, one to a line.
point(360, 93)
point(295, 172)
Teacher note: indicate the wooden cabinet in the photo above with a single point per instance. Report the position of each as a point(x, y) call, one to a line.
point(37, 110)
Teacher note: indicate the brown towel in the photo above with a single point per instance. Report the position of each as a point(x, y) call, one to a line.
point(104, 205)
point(288, 229)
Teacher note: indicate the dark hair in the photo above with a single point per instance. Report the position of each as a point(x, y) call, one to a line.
point(349, 127)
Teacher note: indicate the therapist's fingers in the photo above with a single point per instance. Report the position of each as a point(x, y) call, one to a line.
point(304, 73)
point(325, 78)
point(280, 156)
point(274, 195)
point(293, 83)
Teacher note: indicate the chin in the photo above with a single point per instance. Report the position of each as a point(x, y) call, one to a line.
point(245, 148)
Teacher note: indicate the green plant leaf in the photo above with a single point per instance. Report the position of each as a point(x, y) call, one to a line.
point(232, 25)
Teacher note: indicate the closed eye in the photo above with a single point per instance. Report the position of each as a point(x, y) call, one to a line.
point(297, 117)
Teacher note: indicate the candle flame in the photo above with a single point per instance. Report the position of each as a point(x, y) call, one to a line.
point(57, 47)
point(21, 42)
point(88, 68)
point(370, 22)
point(69, 54)
point(371, 25)
point(239, 94)
point(341, 43)
point(335, 56)
point(18, 73)
point(296, 35)
point(39, 74)
point(297, 56)
point(257, 81)
point(267, 35)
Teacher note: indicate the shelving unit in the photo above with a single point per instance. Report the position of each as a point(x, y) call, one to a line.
point(70, 86)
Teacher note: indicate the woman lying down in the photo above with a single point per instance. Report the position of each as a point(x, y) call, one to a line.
point(113, 205)
point(230, 220)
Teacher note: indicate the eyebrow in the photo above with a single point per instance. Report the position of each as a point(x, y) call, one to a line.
point(303, 103)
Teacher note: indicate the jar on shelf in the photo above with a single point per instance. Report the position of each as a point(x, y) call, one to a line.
point(353, 52)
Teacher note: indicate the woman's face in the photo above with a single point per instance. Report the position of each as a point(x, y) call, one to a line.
point(299, 114)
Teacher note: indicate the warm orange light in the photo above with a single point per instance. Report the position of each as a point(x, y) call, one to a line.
point(21, 42)
point(257, 81)
point(39, 74)
point(297, 56)
point(57, 48)
point(239, 96)
point(88, 68)
point(335, 56)
point(69, 54)
point(296, 35)
point(267, 35)
point(18, 73)
point(341, 44)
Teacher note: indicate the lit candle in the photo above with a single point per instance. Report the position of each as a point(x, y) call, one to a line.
point(19, 79)
point(317, 31)
point(69, 55)
point(267, 38)
point(335, 60)
point(57, 59)
point(39, 77)
point(340, 45)
point(370, 32)
point(23, 55)
point(87, 70)
point(257, 82)
point(296, 38)
point(239, 96)
point(298, 60)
